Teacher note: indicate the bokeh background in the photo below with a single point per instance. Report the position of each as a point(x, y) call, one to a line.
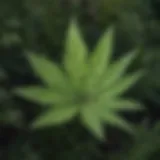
point(40, 26)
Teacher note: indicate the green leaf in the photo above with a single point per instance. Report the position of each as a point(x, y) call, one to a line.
point(115, 120)
point(48, 71)
point(147, 142)
point(122, 85)
point(100, 59)
point(42, 95)
point(122, 105)
point(91, 87)
point(56, 116)
point(92, 122)
point(117, 69)
point(76, 54)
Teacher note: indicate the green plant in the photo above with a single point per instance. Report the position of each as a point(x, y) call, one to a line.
point(147, 141)
point(88, 87)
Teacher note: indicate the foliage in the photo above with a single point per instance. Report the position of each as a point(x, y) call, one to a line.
point(90, 88)
point(39, 26)
point(146, 143)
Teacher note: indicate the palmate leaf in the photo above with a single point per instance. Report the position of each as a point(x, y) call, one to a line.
point(100, 59)
point(42, 95)
point(75, 54)
point(91, 87)
point(48, 71)
point(58, 116)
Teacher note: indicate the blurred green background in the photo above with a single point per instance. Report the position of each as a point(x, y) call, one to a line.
point(40, 26)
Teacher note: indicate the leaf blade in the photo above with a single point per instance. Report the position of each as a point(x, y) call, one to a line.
point(100, 59)
point(117, 69)
point(41, 95)
point(122, 85)
point(48, 71)
point(76, 54)
point(122, 105)
point(116, 121)
point(92, 122)
point(56, 116)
